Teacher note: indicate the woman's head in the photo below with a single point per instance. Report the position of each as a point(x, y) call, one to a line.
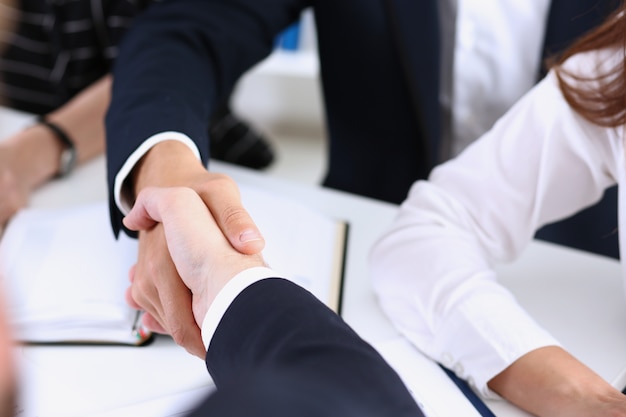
point(602, 98)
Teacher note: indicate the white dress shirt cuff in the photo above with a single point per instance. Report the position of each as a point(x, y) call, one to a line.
point(227, 295)
point(477, 349)
point(120, 199)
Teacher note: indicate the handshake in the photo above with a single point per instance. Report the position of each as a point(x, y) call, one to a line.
point(180, 286)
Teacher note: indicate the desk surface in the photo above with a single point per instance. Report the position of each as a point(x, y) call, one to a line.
point(96, 378)
point(577, 296)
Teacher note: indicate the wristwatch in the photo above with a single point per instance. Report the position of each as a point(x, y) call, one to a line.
point(67, 162)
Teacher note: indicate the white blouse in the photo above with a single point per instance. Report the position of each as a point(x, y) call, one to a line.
point(433, 269)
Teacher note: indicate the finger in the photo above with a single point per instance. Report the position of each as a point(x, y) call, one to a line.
point(146, 211)
point(153, 203)
point(221, 196)
point(188, 335)
point(179, 319)
point(138, 300)
point(163, 293)
point(182, 213)
point(131, 273)
point(143, 294)
point(149, 320)
point(141, 297)
point(128, 296)
point(152, 324)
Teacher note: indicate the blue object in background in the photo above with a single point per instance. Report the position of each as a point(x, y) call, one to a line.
point(289, 39)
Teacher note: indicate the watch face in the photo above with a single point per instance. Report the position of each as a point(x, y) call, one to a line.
point(67, 161)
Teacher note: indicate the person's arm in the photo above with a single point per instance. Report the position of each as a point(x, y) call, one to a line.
point(278, 351)
point(272, 347)
point(177, 62)
point(167, 304)
point(551, 382)
point(8, 374)
point(433, 269)
point(31, 157)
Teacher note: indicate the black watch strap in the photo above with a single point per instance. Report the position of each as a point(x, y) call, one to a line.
point(67, 162)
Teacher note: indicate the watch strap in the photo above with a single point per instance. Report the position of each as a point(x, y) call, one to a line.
point(68, 156)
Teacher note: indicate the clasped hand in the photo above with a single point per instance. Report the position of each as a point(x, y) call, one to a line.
point(195, 249)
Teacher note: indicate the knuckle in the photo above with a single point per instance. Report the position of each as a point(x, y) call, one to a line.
point(234, 215)
point(144, 285)
point(180, 193)
point(147, 270)
point(177, 332)
point(218, 184)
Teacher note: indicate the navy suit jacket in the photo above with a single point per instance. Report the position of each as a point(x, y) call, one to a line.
point(379, 68)
point(278, 352)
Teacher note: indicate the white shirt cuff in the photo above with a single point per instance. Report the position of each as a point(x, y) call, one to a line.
point(227, 295)
point(122, 203)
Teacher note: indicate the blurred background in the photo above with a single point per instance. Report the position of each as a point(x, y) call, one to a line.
point(281, 98)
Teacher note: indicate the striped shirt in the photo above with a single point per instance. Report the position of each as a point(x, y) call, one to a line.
point(59, 47)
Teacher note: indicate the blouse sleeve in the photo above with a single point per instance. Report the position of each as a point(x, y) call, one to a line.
point(433, 269)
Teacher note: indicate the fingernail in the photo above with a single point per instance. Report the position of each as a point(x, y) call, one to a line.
point(249, 236)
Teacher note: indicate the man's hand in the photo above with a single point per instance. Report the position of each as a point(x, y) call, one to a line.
point(202, 256)
point(157, 287)
point(172, 164)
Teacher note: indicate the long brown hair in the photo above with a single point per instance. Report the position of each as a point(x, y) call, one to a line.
point(601, 98)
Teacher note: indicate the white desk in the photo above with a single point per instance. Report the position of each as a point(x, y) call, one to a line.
point(548, 280)
point(94, 378)
point(579, 298)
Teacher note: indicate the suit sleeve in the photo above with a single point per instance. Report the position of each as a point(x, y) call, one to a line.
point(279, 351)
point(177, 62)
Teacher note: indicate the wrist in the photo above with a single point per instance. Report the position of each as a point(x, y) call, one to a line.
point(216, 309)
point(550, 382)
point(215, 277)
point(68, 156)
point(33, 155)
point(167, 164)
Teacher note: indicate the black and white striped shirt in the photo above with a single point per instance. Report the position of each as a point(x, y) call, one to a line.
point(59, 47)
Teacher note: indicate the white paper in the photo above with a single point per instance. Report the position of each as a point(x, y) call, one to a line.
point(88, 284)
point(299, 242)
point(65, 276)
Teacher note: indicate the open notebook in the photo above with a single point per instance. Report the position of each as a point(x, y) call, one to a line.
point(66, 274)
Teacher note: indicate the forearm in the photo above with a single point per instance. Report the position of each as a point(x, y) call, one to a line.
point(434, 269)
point(173, 71)
point(35, 152)
point(551, 382)
point(8, 385)
point(82, 118)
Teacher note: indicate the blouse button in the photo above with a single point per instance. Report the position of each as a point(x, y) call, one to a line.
point(447, 359)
